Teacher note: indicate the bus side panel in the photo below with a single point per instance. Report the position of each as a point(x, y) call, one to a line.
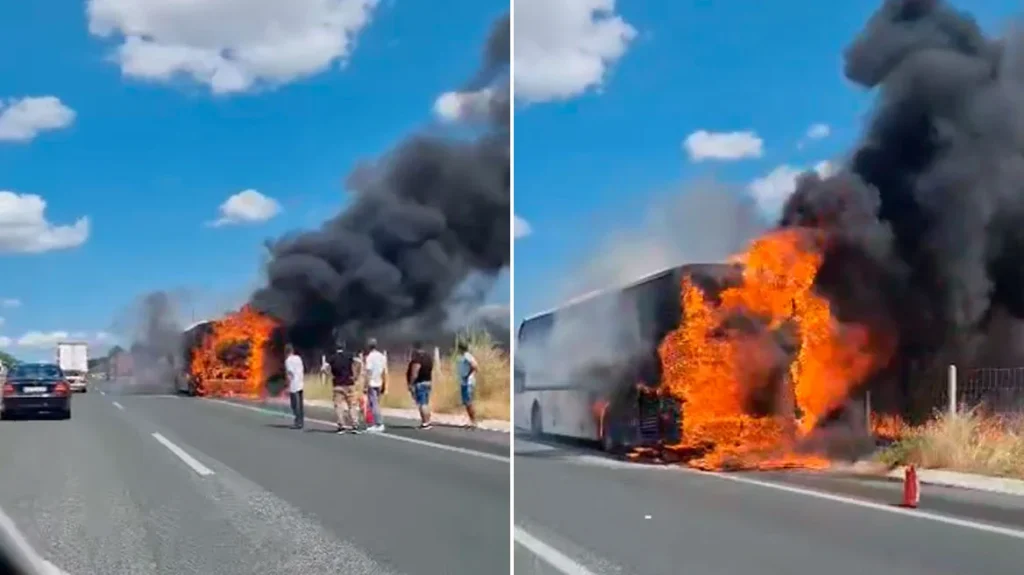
point(522, 402)
point(570, 413)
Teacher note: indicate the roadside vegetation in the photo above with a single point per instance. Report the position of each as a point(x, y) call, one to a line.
point(493, 390)
point(969, 441)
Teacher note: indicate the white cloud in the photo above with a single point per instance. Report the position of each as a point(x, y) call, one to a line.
point(818, 131)
point(24, 228)
point(247, 207)
point(23, 119)
point(47, 339)
point(772, 191)
point(520, 227)
point(229, 45)
point(565, 47)
point(10, 302)
point(41, 338)
point(461, 106)
point(703, 145)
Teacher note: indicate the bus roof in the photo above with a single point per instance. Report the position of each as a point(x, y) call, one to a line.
point(593, 294)
point(198, 323)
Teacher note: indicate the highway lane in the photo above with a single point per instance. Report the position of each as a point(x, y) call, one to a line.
point(578, 513)
point(226, 490)
point(491, 442)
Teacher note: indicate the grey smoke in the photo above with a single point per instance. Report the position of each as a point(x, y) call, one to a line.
point(705, 222)
point(424, 219)
point(154, 327)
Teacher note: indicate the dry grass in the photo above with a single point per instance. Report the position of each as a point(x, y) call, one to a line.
point(493, 388)
point(969, 442)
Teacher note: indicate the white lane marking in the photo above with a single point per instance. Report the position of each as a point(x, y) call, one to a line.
point(421, 442)
point(553, 557)
point(945, 519)
point(53, 569)
point(102, 392)
point(119, 406)
point(182, 455)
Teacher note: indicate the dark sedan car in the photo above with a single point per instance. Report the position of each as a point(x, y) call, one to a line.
point(35, 388)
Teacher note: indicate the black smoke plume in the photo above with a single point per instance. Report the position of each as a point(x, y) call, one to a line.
point(423, 220)
point(926, 220)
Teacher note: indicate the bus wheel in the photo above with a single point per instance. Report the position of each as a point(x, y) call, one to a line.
point(536, 425)
point(608, 443)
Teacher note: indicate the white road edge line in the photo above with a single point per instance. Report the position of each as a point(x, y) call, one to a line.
point(421, 442)
point(553, 557)
point(188, 459)
point(119, 406)
point(939, 518)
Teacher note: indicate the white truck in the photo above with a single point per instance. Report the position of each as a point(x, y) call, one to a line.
point(73, 360)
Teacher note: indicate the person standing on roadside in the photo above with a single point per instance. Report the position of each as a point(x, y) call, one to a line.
point(421, 367)
point(376, 382)
point(344, 373)
point(296, 374)
point(467, 369)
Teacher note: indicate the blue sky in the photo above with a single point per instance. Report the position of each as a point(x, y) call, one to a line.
point(597, 149)
point(135, 121)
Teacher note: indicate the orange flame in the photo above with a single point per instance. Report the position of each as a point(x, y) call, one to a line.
point(884, 426)
point(719, 371)
point(216, 377)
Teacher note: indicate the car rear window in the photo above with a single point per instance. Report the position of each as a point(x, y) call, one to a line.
point(34, 371)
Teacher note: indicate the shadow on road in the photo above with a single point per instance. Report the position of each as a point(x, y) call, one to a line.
point(33, 417)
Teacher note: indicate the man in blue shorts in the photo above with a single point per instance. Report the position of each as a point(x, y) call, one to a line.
point(421, 367)
point(467, 380)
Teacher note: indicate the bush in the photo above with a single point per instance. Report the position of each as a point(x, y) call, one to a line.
point(969, 441)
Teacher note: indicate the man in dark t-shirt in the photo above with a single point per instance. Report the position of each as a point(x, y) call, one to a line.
point(418, 375)
point(344, 374)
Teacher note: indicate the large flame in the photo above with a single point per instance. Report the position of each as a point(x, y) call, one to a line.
point(729, 356)
point(231, 359)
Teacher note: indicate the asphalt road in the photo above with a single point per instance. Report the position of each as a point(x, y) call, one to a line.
point(170, 485)
point(578, 513)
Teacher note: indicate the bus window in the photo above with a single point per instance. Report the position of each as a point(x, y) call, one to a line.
point(535, 329)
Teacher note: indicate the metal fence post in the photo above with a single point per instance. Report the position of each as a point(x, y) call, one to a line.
point(867, 410)
point(952, 389)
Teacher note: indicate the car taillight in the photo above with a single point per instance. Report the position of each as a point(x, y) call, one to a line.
point(8, 389)
point(61, 388)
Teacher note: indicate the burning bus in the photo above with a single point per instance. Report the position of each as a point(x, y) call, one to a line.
point(740, 364)
point(185, 381)
point(590, 369)
point(230, 356)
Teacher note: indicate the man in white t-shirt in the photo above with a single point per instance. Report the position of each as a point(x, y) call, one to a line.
point(296, 374)
point(375, 366)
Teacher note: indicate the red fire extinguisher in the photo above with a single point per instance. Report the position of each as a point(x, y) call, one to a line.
point(911, 488)
point(367, 412)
